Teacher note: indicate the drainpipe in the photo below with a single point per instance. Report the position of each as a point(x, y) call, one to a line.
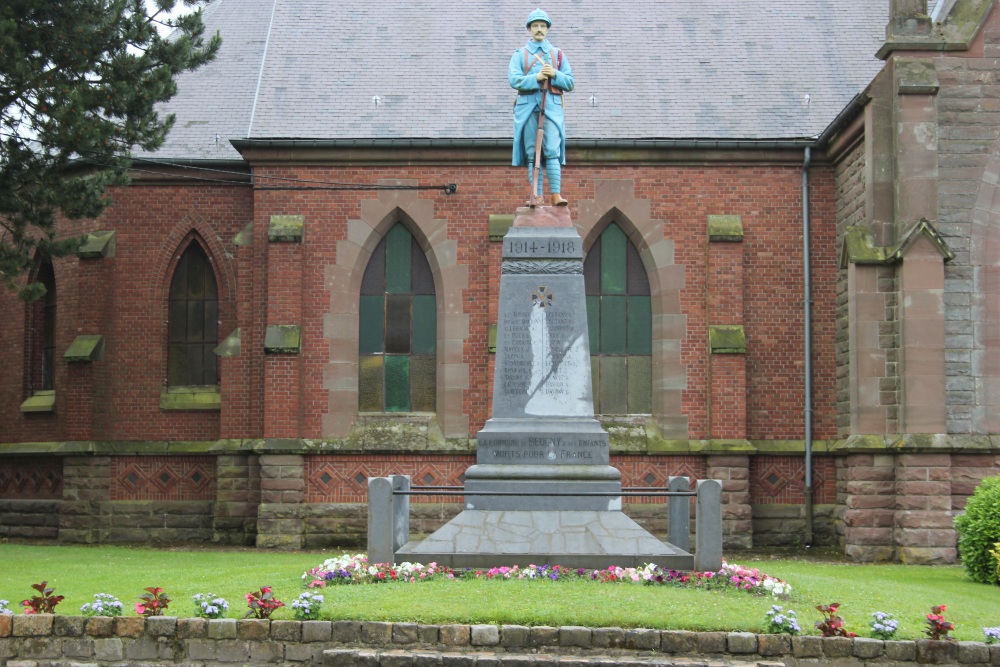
point(807, 333)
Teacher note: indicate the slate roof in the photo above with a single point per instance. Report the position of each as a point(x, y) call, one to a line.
point(644, 69)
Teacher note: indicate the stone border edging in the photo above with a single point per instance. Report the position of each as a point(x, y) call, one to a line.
point(170, 639)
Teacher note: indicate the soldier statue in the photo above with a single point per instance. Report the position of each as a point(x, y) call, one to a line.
point(541, 74)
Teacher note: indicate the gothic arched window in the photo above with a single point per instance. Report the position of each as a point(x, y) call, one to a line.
point(42, 347)
point(620, 323)
point(397, 337)
point(193, 321)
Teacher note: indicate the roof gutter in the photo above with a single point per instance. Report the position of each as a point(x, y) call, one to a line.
point(191, 162)
point(725, 144)
point(846, 115)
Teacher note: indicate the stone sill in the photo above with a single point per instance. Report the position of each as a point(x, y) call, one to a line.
point(179, 640)
point(40, 401)
point(191, 398)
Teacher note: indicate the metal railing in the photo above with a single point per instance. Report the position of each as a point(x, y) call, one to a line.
point(389, 513)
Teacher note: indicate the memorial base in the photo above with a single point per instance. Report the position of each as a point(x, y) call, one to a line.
point(543, 490)
point(570, 538)
point(543, 487)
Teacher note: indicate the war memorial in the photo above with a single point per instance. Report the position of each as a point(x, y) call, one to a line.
point(768, 258)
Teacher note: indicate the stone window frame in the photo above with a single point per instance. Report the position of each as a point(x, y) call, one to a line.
point(615, 200)
point(412, 295)
point(341, 321)
point(627, 354)
point(985, 298)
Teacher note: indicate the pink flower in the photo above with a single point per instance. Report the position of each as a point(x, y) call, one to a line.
point(140, 608)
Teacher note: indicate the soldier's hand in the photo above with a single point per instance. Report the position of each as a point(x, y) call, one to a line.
point(548, 72)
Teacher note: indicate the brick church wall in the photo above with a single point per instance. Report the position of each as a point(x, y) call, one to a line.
point(287, 396)
point(152, 221)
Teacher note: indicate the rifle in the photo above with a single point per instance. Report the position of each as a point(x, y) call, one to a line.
point(537, 199)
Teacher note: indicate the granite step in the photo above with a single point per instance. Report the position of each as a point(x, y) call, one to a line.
point(422, 658)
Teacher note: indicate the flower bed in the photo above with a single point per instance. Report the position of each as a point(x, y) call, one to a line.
point(355, 569)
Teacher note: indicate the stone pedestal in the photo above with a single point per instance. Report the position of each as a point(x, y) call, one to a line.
point(542, 489)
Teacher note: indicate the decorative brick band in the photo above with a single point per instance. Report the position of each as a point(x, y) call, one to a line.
point(168, 640)
point(163, 478)
point(31, 478)
point(780, 480)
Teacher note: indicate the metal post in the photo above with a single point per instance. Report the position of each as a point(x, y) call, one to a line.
point(400, 512)
point(679, 514)
point(380, 536)
point(708, 526)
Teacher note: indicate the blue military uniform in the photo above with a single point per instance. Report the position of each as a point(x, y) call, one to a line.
point(529, 100)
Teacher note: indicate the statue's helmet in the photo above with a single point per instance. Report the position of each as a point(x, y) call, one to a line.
point(538, 15)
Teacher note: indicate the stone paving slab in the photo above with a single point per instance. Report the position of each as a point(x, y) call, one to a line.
point(590, 539)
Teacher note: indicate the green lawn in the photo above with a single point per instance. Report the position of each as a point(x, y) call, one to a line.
point(906, 591)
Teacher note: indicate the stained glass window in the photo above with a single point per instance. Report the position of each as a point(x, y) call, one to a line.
point(193, 321)
point(397, 338)
point(619, 318)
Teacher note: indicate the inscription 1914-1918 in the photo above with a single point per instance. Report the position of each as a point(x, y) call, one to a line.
point(528, 247)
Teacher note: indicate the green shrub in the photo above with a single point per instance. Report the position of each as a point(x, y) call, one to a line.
point(978, 530)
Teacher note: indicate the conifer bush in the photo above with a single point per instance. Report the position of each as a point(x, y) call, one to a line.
point(979, 530)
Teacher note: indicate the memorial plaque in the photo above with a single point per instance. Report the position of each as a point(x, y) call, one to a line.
point(543, 349)
point(552, 448)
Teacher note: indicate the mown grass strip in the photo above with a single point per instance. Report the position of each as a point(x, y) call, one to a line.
point(908, 592)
